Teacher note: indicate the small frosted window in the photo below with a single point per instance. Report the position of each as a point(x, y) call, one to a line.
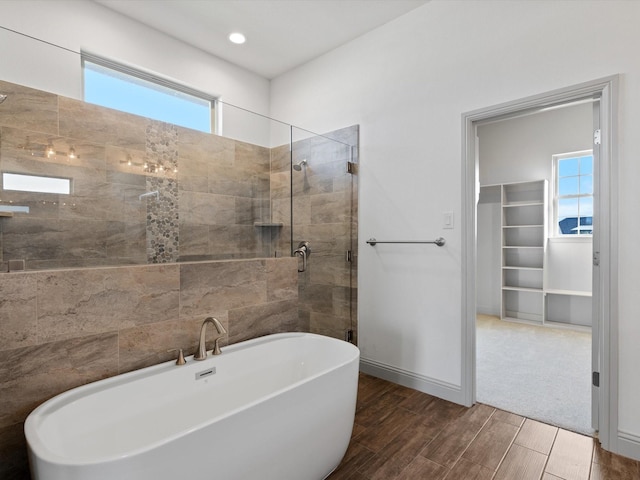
point(34, 183)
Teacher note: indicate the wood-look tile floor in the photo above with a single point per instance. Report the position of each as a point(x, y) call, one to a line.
point(403, 434)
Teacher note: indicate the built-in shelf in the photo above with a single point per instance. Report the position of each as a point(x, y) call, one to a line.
point(268, 224)
point(569, 308)
point(523, 226)
point(524, 241)
point(576, 293)
point(521, 289)
point(510, 267)
point(523, 204)
point(6, 214)
point(524, 219)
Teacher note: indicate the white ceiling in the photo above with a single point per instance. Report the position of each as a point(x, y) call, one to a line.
point(281, 34)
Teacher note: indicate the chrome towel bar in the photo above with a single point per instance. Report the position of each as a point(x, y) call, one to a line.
point(438, 241)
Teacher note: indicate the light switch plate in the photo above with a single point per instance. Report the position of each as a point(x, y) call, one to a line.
point(447, 220)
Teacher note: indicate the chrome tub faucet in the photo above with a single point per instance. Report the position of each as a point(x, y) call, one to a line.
point(201, 354)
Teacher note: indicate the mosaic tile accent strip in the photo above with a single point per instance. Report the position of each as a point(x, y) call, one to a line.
point(161, 149)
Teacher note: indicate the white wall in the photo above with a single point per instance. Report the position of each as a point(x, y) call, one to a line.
point(489, 251)
point(520, 149)
point(407, 84)
point(72, 26)
point(569, 265)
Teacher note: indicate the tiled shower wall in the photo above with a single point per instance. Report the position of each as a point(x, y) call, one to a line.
point(64, 328)
point(205, 191)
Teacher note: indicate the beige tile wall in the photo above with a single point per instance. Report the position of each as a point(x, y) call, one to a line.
point(64, 328)
point(207, 208)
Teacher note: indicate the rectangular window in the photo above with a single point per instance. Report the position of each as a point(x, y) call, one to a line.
point(35, 183)
point(123, 88)
point(573, 194)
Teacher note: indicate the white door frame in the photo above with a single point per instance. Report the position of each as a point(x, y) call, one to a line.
point(607, 316)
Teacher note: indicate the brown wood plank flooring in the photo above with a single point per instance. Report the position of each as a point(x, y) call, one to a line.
point(403, 434)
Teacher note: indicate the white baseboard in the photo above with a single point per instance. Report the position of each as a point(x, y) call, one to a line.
point(405, 378)
point(628, 445)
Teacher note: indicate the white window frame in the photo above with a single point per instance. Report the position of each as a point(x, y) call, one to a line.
point(555, 227)
point(163, 83)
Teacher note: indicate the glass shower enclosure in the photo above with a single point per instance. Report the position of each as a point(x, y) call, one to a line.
point(145, 191)
point(324, 212)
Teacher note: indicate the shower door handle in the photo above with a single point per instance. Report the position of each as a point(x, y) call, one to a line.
point(304, 251)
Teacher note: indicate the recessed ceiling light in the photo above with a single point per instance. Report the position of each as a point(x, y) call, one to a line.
point(237, 38)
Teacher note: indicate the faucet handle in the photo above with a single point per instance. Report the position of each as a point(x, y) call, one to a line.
point(216, 346)
point(180, 360)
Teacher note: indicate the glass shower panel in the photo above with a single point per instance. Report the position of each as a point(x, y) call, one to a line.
point(137, 190)
point(322, 214)
point(144, 191)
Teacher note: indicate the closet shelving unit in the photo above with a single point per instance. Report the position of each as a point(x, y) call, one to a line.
point(524, 233)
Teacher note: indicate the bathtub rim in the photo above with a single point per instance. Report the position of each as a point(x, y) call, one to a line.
point(38, 448)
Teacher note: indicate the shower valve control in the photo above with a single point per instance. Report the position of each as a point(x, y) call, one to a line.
point(304, 251)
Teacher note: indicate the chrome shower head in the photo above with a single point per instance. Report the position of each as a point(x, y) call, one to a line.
point(298, 166)
point(3, 97)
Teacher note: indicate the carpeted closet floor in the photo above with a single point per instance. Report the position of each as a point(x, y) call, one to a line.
point(543, 373)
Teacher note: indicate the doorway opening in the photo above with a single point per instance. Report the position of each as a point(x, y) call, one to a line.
point(604, 289)
point(533, 268)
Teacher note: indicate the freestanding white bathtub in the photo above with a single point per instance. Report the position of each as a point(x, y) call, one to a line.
point(278, 407)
